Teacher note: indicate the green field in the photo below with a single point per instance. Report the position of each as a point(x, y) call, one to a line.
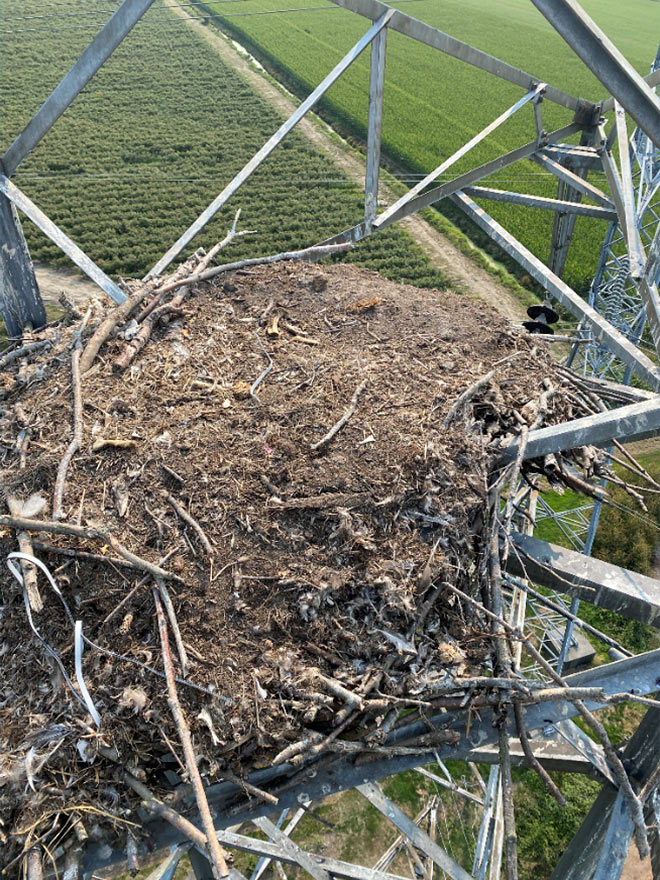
point(154, 137)
point(434, 103)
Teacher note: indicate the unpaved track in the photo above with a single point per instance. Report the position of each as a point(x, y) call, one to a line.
point(53, 282)
point(463, 272)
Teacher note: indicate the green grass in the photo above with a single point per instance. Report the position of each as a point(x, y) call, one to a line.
point(158, 132)
point(433, 103)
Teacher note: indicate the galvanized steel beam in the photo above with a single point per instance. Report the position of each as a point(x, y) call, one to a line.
point(435, 38)
point(553, 755)
point(605, 61)
point(635, 421)
point(574, 180)
point(421, 841)
point(99, 50)
point(641, 756)
point(299, 856)
point(375, 124)
point(20, 300)
point(560, 205)
point(599, 326)
point(61, 239)
point(462, 151)
point(406, 206)
point(316, 782)
point(618, 589)
point(208, 213)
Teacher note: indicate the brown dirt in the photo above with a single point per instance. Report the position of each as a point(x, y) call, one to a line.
point(462, 271)
point(53, 282)
point(319, 557)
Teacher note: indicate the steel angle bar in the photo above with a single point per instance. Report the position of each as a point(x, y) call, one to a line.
point(263, 863)
point(553, 755)
point(375, 124)
point(61, 239)
point(609, 586)
point(435, 38)
point(648, 289)
point(605, 61)
point(299, 856)
point(574, 180)
point(419, 839)
point(20, 300)
point(635, 421)
point(276, 852)
point(591, 751)
point(286, 127)
point(451, 786)
point(616, 842)
point(99, 50)
point(601, 328)
point(462, 151)
point(573, 156)
point(635, 252)
point(583, 853)
point(651, 79)
point(316, 782)
point(446, 189)
point(530, 201)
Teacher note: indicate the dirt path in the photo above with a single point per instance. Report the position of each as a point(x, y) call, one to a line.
point(460, 269)
point(52, 282)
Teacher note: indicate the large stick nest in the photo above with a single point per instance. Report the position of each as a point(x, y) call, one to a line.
point(323, 562)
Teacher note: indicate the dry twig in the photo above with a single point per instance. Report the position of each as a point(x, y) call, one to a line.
point(76, 440)
point(216, 855)
point(187, 518)
point(336, 428)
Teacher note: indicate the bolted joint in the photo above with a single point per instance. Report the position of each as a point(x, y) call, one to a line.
point(587, 113)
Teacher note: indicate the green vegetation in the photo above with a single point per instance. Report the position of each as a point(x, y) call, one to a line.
point(434, 104)
point(158, 132)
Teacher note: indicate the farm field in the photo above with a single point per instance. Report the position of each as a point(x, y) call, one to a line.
point(154, 137)
point(433, 103)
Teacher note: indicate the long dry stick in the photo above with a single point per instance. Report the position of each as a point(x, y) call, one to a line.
point(310, 254)
point(336, 428)
point(90, 534)
point(187, 518)
point(107, 326)
point(533, 760)
point(218, 863)
point(23, 352)
point(76, 440)
point(229, 237)
point(174, 623)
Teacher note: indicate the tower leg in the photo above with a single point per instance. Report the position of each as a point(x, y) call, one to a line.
point(20, 300)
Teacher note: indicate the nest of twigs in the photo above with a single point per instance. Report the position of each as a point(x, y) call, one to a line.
point(281, 476)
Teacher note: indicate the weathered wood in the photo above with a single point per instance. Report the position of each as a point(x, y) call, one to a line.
point(20, 300)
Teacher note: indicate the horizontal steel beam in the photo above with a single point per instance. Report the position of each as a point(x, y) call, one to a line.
point(317, 782)
point(605, 61)
point(99, 50)
point(435, 38)
point(573, 156)
point(600, 327)
point(61, 239)
point(530, 201)
point(446, 189)
point(629, 593)
point(262, 154)
point(573, 180)
point(462, 151)
point(553, 755)
point(635, 421)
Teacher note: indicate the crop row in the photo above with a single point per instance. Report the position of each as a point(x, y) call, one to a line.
point(433, 103)
point(158, 132)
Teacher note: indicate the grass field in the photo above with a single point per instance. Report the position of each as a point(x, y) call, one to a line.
point(154, 137)
point(433, 103)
